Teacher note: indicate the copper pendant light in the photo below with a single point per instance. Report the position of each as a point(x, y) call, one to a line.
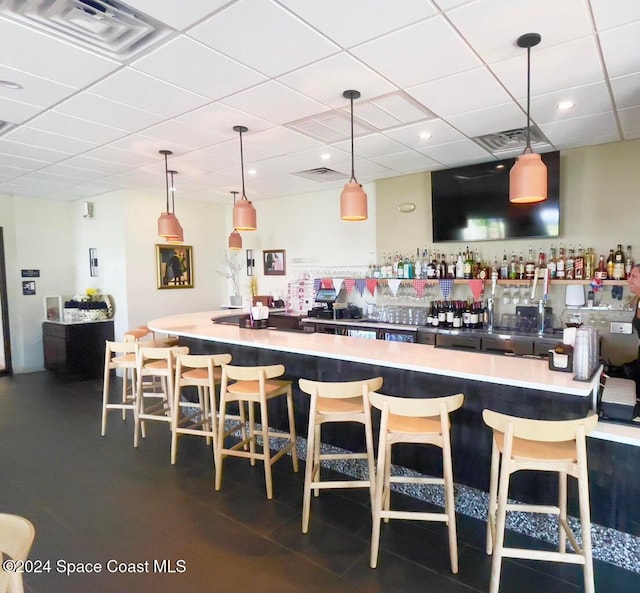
point(528, 177)
point(168, 225)
point(179, 232)
point(244, 214)
point(235, 238)
point(353, 199)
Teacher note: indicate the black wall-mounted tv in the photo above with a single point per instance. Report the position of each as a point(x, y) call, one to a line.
point(472, 204)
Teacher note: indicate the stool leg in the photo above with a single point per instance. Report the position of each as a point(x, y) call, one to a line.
point(309, 466)
point(585, 518)
point(368, 434)
point(386, 483)
point(493, 496)
point(449, 501)
point(252, 431)
point(316, 457)
point(105, 393)
point(380, 479)
point(174, 423)
point(266, 450)
point(292, 430)
point(501, 519)
point(562, 506)
point(219, 442)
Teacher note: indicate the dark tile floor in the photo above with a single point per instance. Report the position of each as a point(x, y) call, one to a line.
point(98, 500)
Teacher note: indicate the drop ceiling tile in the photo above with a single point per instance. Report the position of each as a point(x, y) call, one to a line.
point(275, 102)
point(19, 162)
point(286, 43)
point(183, 61)
point(336, 18)
point(467, 91)
point(455, 154)
point(15, 112)
point(43, 55)
point(190, 137)
point(608, 15)
point(147, 93)
point(231, 150)
point(35, 90)
point(107, 160)
point(587, 100)
point(368, 170)
point(40, 138)
point(606, 139)
point(66, 170)
point(440, 133)
point(189, 13)
point(281, 141)
point(569, 65)
point(404, 161)
point(487, 121)
point(325, 81)
point(626, 90)
point(221, 119)
point(199, 162)
point(630, 120)
point(425, 43)
point(31, 152)
point(602, 124)
point(372, 145)
point(108, 113)
point(492, 27)
point(304, 160)
point(145, 145)
point(74, 127)
point(621, 49)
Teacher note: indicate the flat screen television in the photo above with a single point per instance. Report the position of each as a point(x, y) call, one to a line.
point(471, 203)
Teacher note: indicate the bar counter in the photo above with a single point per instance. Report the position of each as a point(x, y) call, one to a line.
point(519, 386)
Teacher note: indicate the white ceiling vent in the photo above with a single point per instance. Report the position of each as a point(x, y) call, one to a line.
point(106, 26)
point(511, 140)
point(321, 174)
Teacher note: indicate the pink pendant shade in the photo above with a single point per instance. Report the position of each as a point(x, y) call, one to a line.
point(169, 227)
point(353, 199)
point(528, 177)
point(244, 214)
point(235, 241)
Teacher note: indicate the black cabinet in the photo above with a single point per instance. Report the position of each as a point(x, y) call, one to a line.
point(76, 349)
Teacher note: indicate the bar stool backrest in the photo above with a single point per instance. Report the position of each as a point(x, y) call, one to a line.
point(202, 361)
point(417, 407)
point(257, 373)
point(340, 390)
point(16, 539)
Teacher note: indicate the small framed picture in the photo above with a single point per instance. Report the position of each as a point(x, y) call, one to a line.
point(275, 263)
point(174, 266)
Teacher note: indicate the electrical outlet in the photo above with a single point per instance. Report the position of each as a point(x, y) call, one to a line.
point(620, 327)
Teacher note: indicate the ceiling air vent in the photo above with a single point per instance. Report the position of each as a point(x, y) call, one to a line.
point(106, 26)
point(321, 174)
point(510, 140)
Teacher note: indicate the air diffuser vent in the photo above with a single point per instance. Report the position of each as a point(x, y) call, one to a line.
point(321, 174)
point(510, 140)
point(106, 26)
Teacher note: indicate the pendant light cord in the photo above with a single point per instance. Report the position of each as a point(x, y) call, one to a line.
point(166, 179)
point(173, 195)
point(528, 99)
point(241, 168)
point(353, 169)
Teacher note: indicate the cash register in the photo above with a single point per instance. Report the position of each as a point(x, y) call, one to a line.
point(326, 307)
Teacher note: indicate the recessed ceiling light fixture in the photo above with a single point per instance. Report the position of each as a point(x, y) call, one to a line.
point(8, 84)
point(325, 156)
point(353, 199)
point(566, 105)
point(425, 135)
point(528, 177)
point(244, 214)
point(235, 238)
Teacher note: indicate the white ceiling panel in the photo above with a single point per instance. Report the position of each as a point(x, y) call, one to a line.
point(275, 102)
point(447, 69)
point(339, 20)
point(325, 81)
point(285, 42)
point(148, 93)
point(183, 62)
point(425, 43)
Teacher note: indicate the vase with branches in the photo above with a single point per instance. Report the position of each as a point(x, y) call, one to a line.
point(233, 265)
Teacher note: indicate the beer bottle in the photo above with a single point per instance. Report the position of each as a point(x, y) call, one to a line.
point(610, 264)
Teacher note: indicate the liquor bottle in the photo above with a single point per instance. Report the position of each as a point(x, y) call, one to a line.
point(444, 265)
point(400, 268)
point(552, 264)
point(578, 265)
point(418, 265)
point(459, 266)
point(504, 268)
point(601, 270)
point(522, 267)
point(628, 264)
point(589, 264)
point(560, 264)
point(396, 262)
point(618, 264)
point(451, 267)
point(542, 260)
point(610, 264)
point(570, 264)
point(530, 266)
point(431, 270)
point(513, 267)
point(467, 265)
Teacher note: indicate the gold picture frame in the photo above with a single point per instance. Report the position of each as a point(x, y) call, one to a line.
point(275, 262)
point(174, 266)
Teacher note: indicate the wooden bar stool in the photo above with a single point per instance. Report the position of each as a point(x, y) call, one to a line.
point(345, 401)
point(153, 403)
point(119, 355)
point(196, 418)
point(414, 420)
point(254, 385)
point(16, 538)
point(540, 445)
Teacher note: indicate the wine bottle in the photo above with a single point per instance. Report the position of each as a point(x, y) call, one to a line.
point(618, 263)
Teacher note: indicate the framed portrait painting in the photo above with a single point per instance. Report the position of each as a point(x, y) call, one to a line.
point(275, 263)
point(174, 266)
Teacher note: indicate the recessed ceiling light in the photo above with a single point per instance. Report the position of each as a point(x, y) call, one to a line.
point(10, 85)
point(325, 156)
point(565, 105)
point(425, 135)
point(252, 171)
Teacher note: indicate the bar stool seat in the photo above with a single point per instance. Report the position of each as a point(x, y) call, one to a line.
point(196, 418)
point(254, 385)
point(414, 420)
point(119, 355)
point(16, 538)
point(540, 445)
point(345, 401)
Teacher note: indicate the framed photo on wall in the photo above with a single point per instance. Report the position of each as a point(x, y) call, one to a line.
point(275, 263)
point(174, 266)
